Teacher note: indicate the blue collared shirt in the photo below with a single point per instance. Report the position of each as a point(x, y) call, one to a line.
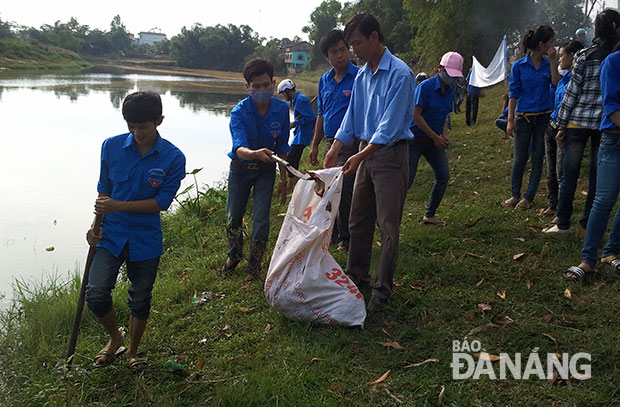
point(381, 105)
point(530, 86)
point(304, 120)
point(472, 90)
point(249, 129)
point(126, 175)
point(436, 105)
point(560, 90)
point(334, 98)
point(610, 86)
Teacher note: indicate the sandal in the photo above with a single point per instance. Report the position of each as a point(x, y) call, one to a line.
point(136, 363)
point(523, 205)
point(614, 264)
point(106, 358)
point(549, 212)
point(576, 274)
point(225, 269)
point(510, 202)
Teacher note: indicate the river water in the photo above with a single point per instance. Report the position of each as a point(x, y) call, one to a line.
point(51, 129)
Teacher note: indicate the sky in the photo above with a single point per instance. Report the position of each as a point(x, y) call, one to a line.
point(269, 18)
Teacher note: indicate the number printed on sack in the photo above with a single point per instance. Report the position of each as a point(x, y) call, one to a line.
point(343, 281)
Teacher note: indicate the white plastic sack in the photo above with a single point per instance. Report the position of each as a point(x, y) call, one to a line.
point(304, 282)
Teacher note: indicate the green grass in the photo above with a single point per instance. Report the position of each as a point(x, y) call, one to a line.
point(31, 55)
point(260, 358)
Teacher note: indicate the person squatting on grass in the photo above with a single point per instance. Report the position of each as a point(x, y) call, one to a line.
point(140, 175)
point(529, 107)
point(260, 128)
point(303, 125)
point(554, 149)
point(608, 181)
point(432, 105)
point(379, 114)
point(579, 119)
point(335, 88)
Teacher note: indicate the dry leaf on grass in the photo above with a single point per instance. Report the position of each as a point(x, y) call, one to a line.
point(481, 328)
point(317, 360)
point(386, 332)
point(479, 283)
point(378, 243)
point(503, 320)
point(393, 396)
point(267, 327)
point(245, 309)
point(443, 389)
point(225, 328)
point(528, 284)
point(392, 344)
point(422, 363)
point(418, 285)
point(487, 356)
point(484, 307)
point(518, 256)
point(551, 338)
point(382, 378)
point(469, 314)
point(502, 294)
point(548, 317)
point(568, 294)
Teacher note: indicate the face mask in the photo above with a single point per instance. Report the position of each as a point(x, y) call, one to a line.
point(445, 78)
point(262, 97)
point(563, 71)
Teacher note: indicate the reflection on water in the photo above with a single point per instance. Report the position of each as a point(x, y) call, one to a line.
point(51, 132)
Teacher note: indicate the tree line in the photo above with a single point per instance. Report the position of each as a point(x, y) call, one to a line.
point(419, 31)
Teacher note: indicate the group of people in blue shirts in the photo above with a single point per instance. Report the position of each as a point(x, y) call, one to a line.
point(376, 125)
point(583, 108)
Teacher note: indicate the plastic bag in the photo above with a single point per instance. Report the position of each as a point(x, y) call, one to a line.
point(304, 282)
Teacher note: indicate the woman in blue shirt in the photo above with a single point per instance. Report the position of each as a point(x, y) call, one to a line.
point(608, 182)
point(553, 149)
point(529, 106)
point(432, 104)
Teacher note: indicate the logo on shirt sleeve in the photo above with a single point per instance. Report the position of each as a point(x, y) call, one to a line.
point(156, 176)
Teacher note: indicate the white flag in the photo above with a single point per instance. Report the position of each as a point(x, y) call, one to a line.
point(482, 77)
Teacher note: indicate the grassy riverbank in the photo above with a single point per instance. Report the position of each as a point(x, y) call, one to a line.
point(237, 351)
point(29, 55)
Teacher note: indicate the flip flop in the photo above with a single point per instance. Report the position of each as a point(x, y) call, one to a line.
point(108, 357)
point(510, 202)
point(136, 363)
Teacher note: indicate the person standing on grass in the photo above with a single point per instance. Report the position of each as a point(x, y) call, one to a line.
point(140, 176)
point(379, 114)
point(432, 105)
point(471, 104)
point(553, 149)
point(260, 128)
point(303, 125)
point(335, 88)
point(579, 119)
point(529, 107)
point(608, 181)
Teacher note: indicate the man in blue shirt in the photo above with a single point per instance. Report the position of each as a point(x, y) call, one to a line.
point(303, 125)
point(471, 103)
point(140, 175)
point(379, 114)
point(335, 88)
point(260, 128)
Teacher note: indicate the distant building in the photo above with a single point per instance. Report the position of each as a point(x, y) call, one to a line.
point(150, 38)
point(296, 56)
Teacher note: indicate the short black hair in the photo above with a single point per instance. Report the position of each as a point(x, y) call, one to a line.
point(365, 23)
point(330, 39)
point(257, 67)
point(570, 47)
point(142, 107)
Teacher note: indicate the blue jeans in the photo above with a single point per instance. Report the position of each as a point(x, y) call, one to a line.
point(531, 129)
point(575, 141)
point(242, 181)
point(102, 279)
point(438, 160)
point(607, 188)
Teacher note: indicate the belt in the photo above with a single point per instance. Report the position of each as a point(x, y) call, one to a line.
point(253, 165)
point(573, 126)
point(528, 115)
point(364, 143)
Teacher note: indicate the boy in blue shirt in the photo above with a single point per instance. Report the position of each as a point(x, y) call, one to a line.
point(140, 175)
point(335, 88)
point(260, 128)
point(303, 125)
